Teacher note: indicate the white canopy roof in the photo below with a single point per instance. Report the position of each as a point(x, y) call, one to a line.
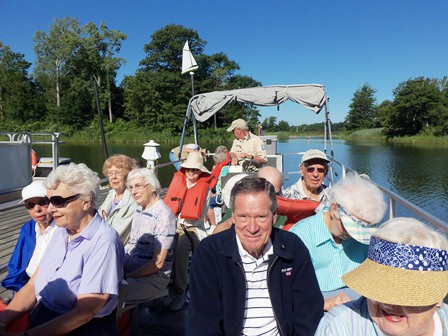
point(310, 96)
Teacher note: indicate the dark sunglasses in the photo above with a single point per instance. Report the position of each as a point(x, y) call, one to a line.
point(61, 202)
point(41, 202)
point(194, 170)
point(312, 169)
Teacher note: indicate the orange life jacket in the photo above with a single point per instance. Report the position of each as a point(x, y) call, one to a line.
point(295, 210)
point(188, 203)
point(216, 171)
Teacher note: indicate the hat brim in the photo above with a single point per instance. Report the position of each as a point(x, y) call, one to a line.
point(360, 233)
point(231, 128)
point(192, 166)
point(397, 286)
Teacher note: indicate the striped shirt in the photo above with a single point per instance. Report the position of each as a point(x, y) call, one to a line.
point(330, 261)
point(353, 318)
point(258, 315)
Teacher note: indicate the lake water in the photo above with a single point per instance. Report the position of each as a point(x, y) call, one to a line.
point(416, 172)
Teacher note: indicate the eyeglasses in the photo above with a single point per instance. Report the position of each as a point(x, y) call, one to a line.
point(353, 218)
point(310, 170)
point(61, 202)
point(138, 187)
point(41, 202)
point(194, 170)
point(115, 172)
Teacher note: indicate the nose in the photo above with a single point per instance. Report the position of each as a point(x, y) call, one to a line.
point(252, 227)
point(51, 208)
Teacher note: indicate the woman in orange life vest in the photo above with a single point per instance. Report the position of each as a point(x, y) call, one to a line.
point(188, 198)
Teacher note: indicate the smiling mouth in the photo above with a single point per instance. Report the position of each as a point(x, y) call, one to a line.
point(391, 316)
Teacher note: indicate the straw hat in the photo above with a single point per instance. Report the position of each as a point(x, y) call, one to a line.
point(401, 274)
point(194, 161)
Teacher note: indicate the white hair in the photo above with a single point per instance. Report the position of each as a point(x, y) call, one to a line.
point(411, 231)
point(359, 197)
point(220, 154)
point(78, 178)
point(147, 175)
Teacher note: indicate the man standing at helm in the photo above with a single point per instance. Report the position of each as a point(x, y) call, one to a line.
point(246, 145)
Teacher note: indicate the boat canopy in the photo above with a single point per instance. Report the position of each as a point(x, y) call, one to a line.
point(310, 96)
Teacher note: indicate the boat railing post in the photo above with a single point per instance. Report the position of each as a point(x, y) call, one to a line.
point(391, 208)
point(55, 148)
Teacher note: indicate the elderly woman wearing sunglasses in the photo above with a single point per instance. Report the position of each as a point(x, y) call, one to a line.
point(338, 236)
point(75, 288)
point(403, 283)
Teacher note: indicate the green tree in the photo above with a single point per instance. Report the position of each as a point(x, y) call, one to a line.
point(164, 107)
point(98, 48)
point(384, 110)
point(19, 95)
point(283, 126)
point(414, 106)
point(363, 110)
point(52, 52)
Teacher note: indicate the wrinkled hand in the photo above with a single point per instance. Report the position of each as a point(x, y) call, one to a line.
point(336, 300)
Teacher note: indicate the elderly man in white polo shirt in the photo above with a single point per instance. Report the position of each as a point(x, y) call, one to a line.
point(246, 145)
point(34, 237)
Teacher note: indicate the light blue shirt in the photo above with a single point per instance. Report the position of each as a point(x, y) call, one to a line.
point(353, 318)
point(330, 261)
point(92, 263)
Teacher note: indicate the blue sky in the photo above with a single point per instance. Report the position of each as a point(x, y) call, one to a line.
point(340, 44)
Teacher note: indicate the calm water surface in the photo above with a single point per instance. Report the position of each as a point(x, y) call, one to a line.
point(417, 173)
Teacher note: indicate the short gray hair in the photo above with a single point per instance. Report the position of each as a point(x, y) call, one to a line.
point(404, 230)
point(253, 184)
point(78, 178)
point(147, 175)
point(220, 154)
point(358, 196)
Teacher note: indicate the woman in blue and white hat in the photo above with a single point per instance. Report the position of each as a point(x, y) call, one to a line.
point(403, 283)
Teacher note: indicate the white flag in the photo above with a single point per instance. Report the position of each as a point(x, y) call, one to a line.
point(188, 61)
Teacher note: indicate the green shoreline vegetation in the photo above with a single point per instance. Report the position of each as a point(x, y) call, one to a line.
point(58, 95)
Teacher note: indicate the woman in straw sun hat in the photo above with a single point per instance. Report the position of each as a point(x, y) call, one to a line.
point(188, 197)
point(403, 283)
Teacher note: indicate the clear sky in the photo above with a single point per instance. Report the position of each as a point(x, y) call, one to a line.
point(341, 44)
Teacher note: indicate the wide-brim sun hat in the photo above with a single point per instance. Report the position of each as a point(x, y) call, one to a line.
point(35, 189)
point(194, 161)
point(401, 274)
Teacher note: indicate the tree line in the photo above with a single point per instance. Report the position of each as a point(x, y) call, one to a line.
point(419, 106)
point(56, 93)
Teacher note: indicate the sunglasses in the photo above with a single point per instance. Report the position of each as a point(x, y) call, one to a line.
point(353, 218)
point(312, 169)
point(61, 202)
point(41, 202)
point(194, 170)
